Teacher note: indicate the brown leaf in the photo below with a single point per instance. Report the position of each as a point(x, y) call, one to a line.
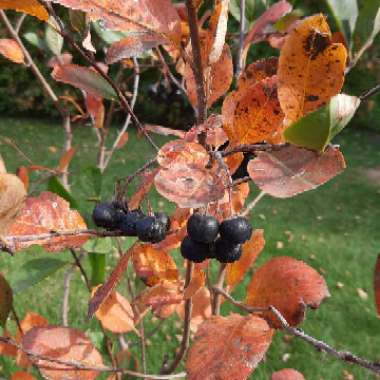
point(132, 46)
point(115, 314)
point(157, 16)
point(233, 161)
point(123, 140)
point(288, 171)
point(228, 347)
point(22, 173)
point(64, 344)
point(161, 298)
point(287, 374)
point(11, 50)
point(311, 68)
point(95, 108)
point(65, 159)
point(152, 265)
point(251, 249)
point(62, 59)
point(253, 113)
point(105, 290)
point(198, 280)
point(7, 349)
point(12, 198)
point(290, 286)
point(172, 240)
point(43, 214)
point(376, 285)
point(182, 152)
point(30, 7)
point(22, 375)
point(146, 182)
point(187, 186)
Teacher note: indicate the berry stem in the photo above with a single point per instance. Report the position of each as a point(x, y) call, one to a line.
point(219, 284)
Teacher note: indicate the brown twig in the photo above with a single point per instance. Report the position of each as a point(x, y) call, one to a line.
point(186, 326)
point(373, 91)
point(81, 269)
point(248, 148)
point(252, 204)
point(66, 295)
point(240, 63)
point(219, 284)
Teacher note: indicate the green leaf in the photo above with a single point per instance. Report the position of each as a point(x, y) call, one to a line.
point(98, 267)
point(367, 24)
point(53, 40)
point(56, 187)
point(34, 271)
point(249, 11)
point(345, 14)
point(34, 40)
point(91, 179)
point(103, 245)
point(6, 299)
point(316, 129)
point(78, 20)
point(108, 36)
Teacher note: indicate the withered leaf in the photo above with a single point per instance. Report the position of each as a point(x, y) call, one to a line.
point(11, 50)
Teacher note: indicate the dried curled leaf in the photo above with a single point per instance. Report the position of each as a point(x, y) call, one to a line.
point(311, 68)
point(288, 171)
point(228, 347)
point(290, 286)
point(11, 50)
point(250, 250)
point(43, 214)
point(182, 152)
point(30, 7)
point(287, 374)
point(65, 344)
point(189, 186)
point(115, 314)
point(153, 265)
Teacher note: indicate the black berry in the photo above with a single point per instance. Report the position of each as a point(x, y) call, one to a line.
point(194, 251)
point(163, 219)
point(236, 230)
point(227, 252)
point(106, 215)
point(202, 228)
point(149, 229)
point(127, 223)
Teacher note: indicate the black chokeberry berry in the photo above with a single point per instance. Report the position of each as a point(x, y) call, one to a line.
point(236, 230)
point(202, 228)
point(194, 251)
point(149, 229)
point(106, 215)
point(127, 224)
point(163, 219)
point(226, 252)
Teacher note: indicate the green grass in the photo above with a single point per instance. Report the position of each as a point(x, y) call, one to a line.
point(335, 229)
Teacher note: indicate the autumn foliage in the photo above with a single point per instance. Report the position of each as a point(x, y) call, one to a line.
point(276, 122)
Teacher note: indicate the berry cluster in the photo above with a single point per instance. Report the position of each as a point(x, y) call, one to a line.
point(112, 216)
point(202, 241)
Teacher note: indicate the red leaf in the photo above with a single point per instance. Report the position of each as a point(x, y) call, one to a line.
point(22, 173)
point(288, 171)
point(95, 108)
point(123, 140)
point(287, 374)
point(21, 375)
point(228, 347)
point(376, 285)
point(289, 285)
point(146, 182)
point(43, 214)
point(65, 159)
point(11, 50)
point(65, 344)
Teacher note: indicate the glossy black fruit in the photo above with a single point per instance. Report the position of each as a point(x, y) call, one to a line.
point(194, 251)
point(202, 228)
point(106, 215)
point(149, 229)
point(236, 230)
point(227, 252)
point(127, 224)
point(163, 219)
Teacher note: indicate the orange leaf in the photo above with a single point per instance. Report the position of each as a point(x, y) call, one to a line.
point(7, 349)
point(65, 344)
point(65, 159)
point(12, 197)
point(233, 161)
point(172, 240)
point(251, 249)
point(95, 108)
point(376, 285)
point(22, 173)
point(21, 375)
point(253, 113)
point(287, 374)
point(143, 188)
point(197, 281)
point(290, 286)
point(11, 50)
point(152, 265)
point(228, 347)
point(42, 214)
point(190, 187)
point(105, 290)
point(311, 68)
point(162, 298)
point(30, 7)
point(123, 140)
point(182, 152)
point(115, 314)
point(288, 171)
